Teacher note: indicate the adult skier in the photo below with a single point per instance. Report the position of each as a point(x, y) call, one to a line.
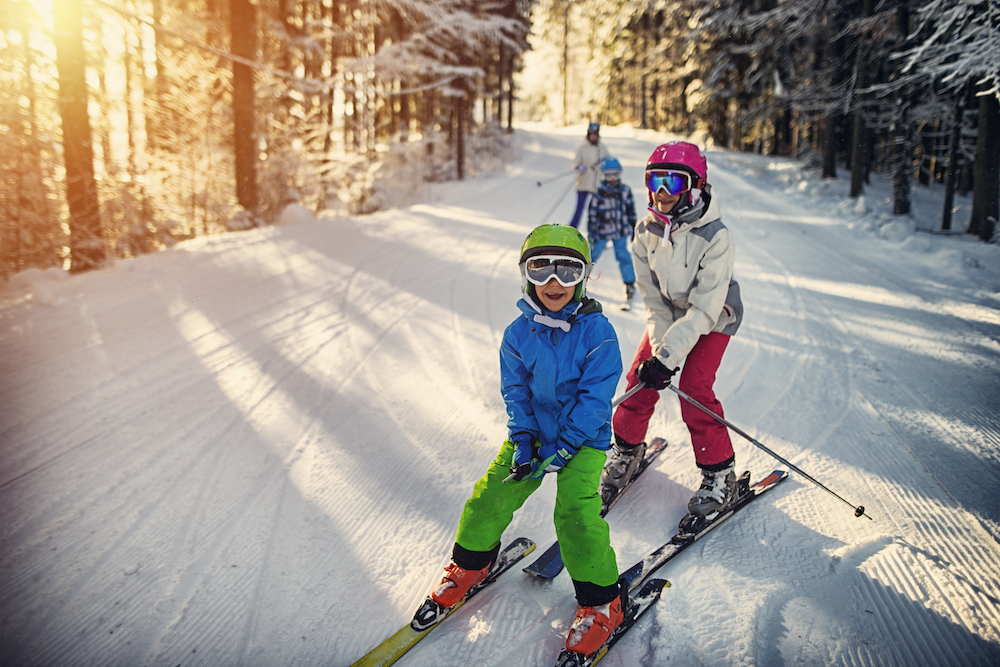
point(684, 258)
point(588, 157)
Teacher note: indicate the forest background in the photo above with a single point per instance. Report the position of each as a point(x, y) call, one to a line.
point(128, 125)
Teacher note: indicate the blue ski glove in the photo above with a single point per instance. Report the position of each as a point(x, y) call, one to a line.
point(553, 458)
point(525, 456)
point(654, 374)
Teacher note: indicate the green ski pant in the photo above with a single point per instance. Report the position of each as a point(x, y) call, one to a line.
point(584, 536)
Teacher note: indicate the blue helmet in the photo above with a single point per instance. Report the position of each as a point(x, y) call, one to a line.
point(594, 128)
point(610, 164)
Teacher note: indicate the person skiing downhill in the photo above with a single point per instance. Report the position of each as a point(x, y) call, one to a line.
point(611, 217)
point(559, 368)
point(588, 156)
point(684, 258)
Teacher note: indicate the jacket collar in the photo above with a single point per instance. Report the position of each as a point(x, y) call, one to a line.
point(695, 216)
point(563, 319)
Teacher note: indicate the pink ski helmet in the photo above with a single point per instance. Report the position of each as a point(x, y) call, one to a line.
point(682, 156)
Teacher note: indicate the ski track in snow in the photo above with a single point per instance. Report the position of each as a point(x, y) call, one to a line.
point(927, 517)
point(254, 449)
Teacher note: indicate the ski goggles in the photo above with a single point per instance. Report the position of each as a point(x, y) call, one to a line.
point(567, 271)
point(674, 182)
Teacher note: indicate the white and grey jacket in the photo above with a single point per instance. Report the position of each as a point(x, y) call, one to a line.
point(685, 277)
point(590, 155)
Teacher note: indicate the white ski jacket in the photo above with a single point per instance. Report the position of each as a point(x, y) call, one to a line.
point(685, 278)
point(590, 155)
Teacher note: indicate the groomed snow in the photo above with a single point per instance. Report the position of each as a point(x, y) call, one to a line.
point(253, 449)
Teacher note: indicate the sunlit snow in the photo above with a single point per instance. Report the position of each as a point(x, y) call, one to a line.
point(253, 449)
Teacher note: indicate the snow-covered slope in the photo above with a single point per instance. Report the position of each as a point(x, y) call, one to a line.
point(253, 449)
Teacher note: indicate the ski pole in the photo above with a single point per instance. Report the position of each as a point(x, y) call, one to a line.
point(558, 201)
point(555, 178)
point(628, 393)
point(859, 511)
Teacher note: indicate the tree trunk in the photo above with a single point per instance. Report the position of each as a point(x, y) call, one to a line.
point(901, 162)
point(163, 118)
point(510, 93)
point(565, 67)
point(243, 26)
point(859, 139)
point(954, 158)
point(30, 233)
point(828, 148)
point(459, 112)
point(87, 249)
point(902, 149)
point(986, 170)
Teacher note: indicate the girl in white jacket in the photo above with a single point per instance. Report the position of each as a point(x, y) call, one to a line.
point(684, 258)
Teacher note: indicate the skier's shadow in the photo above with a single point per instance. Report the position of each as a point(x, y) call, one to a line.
point(648, 516)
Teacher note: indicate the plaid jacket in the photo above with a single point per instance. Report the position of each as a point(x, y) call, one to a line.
point(611, 214)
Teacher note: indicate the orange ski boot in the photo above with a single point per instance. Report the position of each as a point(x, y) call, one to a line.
point(593, 625)
point(456, 583)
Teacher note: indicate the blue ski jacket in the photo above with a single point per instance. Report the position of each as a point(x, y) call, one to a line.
point(559, 372)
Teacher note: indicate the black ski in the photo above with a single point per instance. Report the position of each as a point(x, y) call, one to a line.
point(639, 604)
point(682, 540)
point(550, 564)
point(429, 616)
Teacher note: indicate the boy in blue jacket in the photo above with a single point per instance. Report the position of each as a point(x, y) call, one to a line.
point(559, 368)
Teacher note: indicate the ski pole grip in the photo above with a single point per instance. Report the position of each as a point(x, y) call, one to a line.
point(517, 473)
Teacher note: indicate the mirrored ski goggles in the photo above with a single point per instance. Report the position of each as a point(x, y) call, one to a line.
point(568, 271)
point(674, 182)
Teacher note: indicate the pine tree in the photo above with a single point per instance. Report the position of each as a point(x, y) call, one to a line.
point(86, 233)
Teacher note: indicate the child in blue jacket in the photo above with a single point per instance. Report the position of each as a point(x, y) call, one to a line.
point(611, 217)
point(559, 368)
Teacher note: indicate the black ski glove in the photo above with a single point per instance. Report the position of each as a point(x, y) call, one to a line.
point(654, 374)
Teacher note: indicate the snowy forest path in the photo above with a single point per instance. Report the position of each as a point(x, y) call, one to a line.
point(254, 448)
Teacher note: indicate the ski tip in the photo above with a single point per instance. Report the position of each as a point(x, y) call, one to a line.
point(518, 548)
point(775, 476)
point(657, 444)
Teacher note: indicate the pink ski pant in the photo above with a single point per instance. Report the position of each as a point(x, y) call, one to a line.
point(709, 438)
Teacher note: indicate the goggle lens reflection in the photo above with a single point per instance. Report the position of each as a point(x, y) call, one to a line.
point(568, 271)
point(674, 182)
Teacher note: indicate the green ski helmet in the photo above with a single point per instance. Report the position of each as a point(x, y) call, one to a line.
point(555, 239)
